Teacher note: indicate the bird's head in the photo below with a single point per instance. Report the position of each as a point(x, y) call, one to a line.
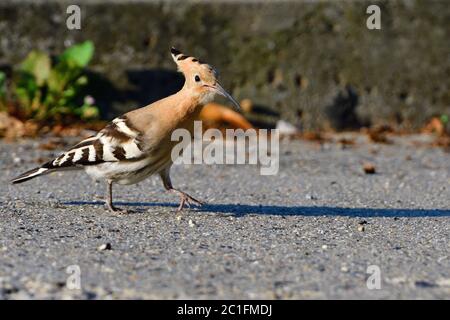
point(201, 78)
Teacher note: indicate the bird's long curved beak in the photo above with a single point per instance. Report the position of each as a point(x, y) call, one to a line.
point(222, 92)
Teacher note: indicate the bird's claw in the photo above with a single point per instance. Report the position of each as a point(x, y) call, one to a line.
point(113, 209)
point(187, 200)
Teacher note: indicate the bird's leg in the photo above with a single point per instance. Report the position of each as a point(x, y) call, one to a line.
point(185, 198)
point(108, 201)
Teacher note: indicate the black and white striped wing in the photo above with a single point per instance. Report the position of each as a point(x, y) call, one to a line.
point(118, 141)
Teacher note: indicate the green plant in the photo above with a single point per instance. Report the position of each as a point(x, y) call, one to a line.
point(47, 91)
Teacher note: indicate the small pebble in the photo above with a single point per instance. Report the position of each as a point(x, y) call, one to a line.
point(105, 246)
point(369, 168)
point(191, 223)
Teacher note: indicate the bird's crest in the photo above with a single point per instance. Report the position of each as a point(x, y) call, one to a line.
point(187, 63)
point(200, 77)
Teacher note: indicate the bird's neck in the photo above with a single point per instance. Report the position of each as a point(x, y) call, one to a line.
point(189, 102)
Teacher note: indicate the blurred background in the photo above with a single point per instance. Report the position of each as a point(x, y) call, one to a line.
point(313, 64)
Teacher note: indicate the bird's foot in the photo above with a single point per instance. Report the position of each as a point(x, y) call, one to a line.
point(186, 200)
point(114, 209)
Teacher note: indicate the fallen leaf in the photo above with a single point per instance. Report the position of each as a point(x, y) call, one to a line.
point(217, 116)
point(435, 125)
point(378, 134)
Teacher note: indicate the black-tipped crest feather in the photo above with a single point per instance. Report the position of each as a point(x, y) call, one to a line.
point(174, 51)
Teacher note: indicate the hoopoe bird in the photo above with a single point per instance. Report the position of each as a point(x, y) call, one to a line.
point(138, 144)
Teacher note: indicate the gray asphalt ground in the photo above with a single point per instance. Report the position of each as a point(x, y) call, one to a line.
point(309, 232)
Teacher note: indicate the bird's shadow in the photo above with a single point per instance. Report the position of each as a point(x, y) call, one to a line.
point(240, 210)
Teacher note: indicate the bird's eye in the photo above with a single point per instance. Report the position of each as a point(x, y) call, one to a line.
point(197, 78)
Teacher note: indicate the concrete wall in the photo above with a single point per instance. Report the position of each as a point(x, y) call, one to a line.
point(311, 62)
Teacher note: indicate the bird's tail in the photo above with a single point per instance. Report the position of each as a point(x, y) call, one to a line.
point(31, 174)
